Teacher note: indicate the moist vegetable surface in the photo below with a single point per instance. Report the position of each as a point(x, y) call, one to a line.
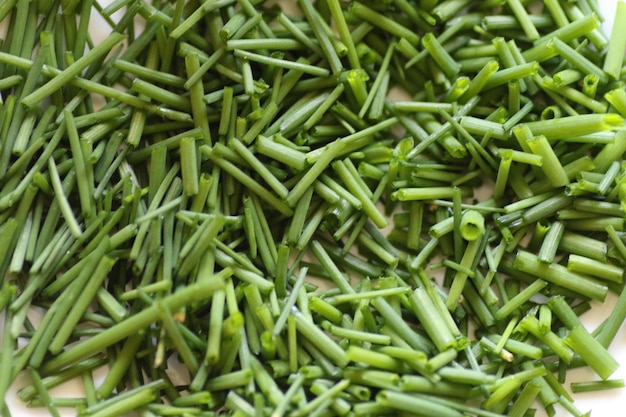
point(360, 208)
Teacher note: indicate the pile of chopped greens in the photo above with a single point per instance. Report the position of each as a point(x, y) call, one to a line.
point(239, 210)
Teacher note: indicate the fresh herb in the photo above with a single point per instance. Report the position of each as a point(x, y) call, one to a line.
point(237, 209)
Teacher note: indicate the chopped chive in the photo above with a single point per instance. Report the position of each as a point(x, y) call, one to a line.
point(617, 98)
point(335, 274)
point(62, 200)
point(64, 77)
point(357, 190)
point(375, 359)
point(427, 193)
point(395, 321)
point(558, 274)
point(359, 336)
point(577, 60)
point(595, 268)
point(591, 386)
point(344, 298)
point(551, 242)
point(480, 80)
point(314, 171)
point(524, 19)
point(460, 277)
point(418, 384)
point(127, 401)
point(558, 346)
point(80, 306)
point(427, 313)
point(197, 15)
point(309, 69)
point(378, 87)
point(566, 77)
point(472, 225)
point(270, 179)
point(407, 402)
point(514, 73)
point(344, 32)
point(522, 157)
point(483, 127)
point(319, 339)
point(244, 178)
point(228, 381)
point(276, 150)
point(148, 74)
point(592, 352)
point(551, 166)
point(523, 403)
point(321, 35)
point(516, 302)
point(188, 163)
point(576, 96)
point(297, 33)
point(330, 120)
point(383, 22)
point(574, 29)
point(557, 12)
point(444, 11)
point(440, 55)
point(457, 89)
point(590, 85)
point(134, 323)
point(43, 392)
point(236, 403)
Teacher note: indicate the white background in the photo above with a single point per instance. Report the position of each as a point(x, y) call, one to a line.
point(604, 404)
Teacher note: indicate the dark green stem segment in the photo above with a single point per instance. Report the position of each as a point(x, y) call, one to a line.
point(193, 293)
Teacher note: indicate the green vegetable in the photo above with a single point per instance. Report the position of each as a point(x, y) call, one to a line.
point(261, 197)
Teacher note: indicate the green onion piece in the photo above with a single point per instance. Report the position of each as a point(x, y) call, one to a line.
point(574, 95)
point(559, 275)
point(324, 41)
point(558, 346)
point(319, 339)
point(590, 85)
point(480, 80)
point(617, 44)
point(344, 32)
point(553, 169)
point(426, 193)
point(460, 277)
point(410, 403)
point(590, 386)
point(385, 23)
point(517, 301)
point(551, 242)
point(617, 98)
point(66, 209)
point(323, 400)
point(431, 317)
point(395, 322)
point(520, 348)
point(472, 225)
point(524, 19)
point(564, 312)
point(595, 268)
point(136, 322)
point(440, 55)
point(64, 77)
point(592, 352)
